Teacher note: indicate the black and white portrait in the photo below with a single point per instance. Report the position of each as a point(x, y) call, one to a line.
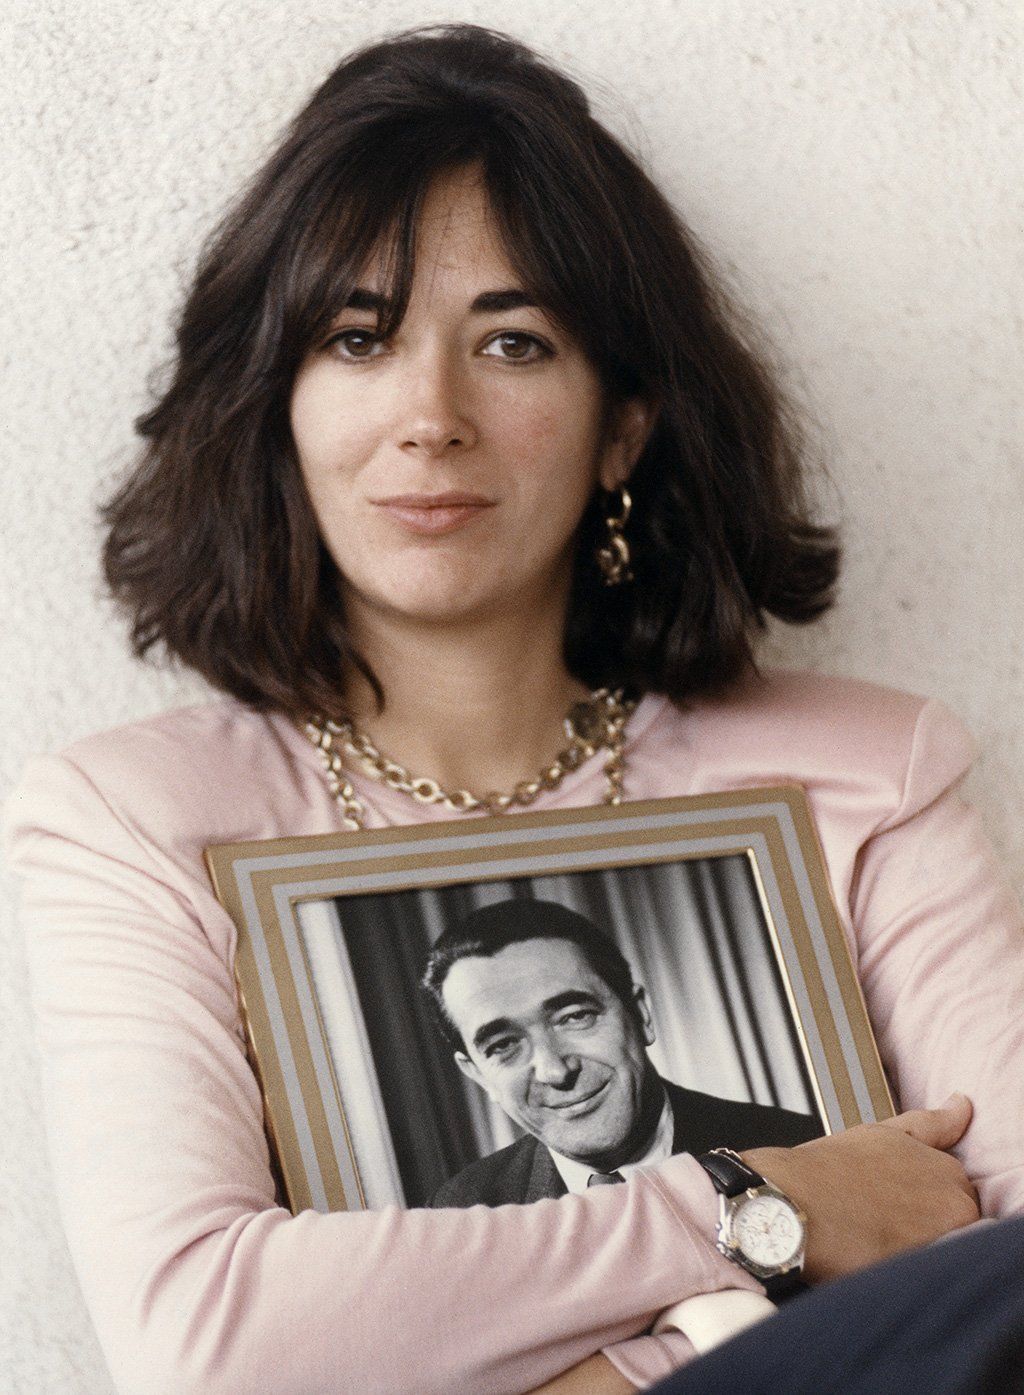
point(508, 1040)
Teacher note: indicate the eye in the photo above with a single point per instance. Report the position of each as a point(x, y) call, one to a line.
point(501, 1048)
point(355, 344)
point(577, 1017)
point(517, 347)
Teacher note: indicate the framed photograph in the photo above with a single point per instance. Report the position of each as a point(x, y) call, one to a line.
point(501, 1009)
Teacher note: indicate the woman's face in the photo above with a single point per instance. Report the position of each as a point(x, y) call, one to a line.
point(448, 467)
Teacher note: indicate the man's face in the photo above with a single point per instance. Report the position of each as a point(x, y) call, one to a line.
point(551, 1042)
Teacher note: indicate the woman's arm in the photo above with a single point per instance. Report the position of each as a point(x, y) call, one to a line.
point(855, 1218)
point(195, 1279)
point(938, 939)
point(939, 945)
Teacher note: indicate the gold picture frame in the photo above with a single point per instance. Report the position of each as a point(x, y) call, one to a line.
point(319, 1051)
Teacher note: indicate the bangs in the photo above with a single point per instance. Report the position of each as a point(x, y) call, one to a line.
point(363, 208)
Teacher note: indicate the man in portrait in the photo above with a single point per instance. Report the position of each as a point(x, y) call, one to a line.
point(543, 1013)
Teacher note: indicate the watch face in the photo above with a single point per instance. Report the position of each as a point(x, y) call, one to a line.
point(768, 1231)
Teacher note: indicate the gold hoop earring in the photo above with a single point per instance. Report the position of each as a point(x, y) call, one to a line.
point(613, 557)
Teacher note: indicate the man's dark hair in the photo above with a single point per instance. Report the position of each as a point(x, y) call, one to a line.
point(489, 929)
point(212, 545)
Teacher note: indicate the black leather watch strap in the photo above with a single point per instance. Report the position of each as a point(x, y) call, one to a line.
point(780, 1287)
point(729, 1172)
point(731, 1176)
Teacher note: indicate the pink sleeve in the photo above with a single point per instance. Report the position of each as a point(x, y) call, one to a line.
point(196, 1280)
point(645, 1360)
point(941, 959)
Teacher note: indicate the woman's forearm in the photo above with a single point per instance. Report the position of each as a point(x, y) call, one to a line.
point(195, 1279)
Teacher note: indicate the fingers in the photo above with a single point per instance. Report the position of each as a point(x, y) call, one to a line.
point(876, 1189)
point(938, 1128)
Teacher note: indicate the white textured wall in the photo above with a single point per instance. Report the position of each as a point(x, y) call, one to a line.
point(856, 163)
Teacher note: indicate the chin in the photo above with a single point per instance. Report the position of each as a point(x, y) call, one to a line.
point(593, 1146)
point(435, 601)
point(438, 611)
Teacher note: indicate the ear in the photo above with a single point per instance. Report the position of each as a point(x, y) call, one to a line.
point(631, 425)
point(471, 1071)
point(643, 1012)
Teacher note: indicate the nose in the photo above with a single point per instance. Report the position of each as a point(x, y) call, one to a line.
point(434, 420)
point(552, 1066)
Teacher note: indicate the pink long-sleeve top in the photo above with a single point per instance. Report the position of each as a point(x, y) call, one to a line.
point(199, 1282)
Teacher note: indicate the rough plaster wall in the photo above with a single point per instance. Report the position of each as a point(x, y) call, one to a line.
point(854, 163)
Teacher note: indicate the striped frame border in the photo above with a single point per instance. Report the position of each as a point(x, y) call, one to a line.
point(261, 884)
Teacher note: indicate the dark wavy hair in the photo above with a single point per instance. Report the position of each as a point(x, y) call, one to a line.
point(212, 546)
point(489, 929)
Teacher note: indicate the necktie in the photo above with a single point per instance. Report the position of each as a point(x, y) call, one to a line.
point(604, 1179)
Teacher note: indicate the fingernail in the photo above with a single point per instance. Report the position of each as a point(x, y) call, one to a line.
point(955, 1098)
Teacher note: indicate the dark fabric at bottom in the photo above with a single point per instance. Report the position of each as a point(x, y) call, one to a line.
point(945, 1320)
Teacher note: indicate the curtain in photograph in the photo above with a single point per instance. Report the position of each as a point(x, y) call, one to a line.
point(432, 1124)
point(696, 938)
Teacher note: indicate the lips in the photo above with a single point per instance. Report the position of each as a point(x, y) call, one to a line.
point(578, 1101)
point(453, 498)
point(434, 514)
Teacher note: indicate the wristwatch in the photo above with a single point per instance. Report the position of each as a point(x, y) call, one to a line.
point(758, 1226)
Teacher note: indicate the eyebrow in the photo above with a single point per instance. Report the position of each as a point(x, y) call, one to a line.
point(549, 1005)
point(486, 303)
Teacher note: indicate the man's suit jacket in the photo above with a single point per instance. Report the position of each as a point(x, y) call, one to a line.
point(525, 1170)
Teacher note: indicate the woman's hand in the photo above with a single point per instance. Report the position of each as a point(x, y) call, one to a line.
point(868, 1193)
point(875, 1189)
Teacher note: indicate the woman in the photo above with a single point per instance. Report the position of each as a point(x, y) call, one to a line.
point(461, 435)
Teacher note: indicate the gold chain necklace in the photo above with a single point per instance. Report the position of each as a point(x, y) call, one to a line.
point(597, 723)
